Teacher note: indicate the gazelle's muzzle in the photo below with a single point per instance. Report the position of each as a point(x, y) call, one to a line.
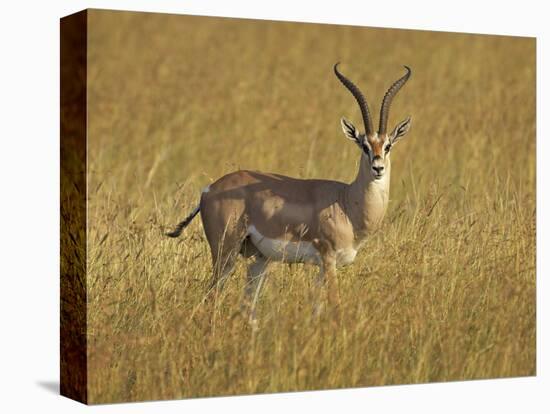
point(377, 167)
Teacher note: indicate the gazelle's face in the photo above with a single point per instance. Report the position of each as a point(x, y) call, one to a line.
point(377, 151)
point(376, 147)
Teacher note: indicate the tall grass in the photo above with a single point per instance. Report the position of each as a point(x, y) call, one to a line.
point(444, 291)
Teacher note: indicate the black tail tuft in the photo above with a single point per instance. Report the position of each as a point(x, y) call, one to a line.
point(179, 228)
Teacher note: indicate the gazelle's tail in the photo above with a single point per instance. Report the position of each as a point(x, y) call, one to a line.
point(179, 228)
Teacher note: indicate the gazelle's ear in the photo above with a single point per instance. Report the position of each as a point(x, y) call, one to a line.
point(400, 130)
point(349, 130)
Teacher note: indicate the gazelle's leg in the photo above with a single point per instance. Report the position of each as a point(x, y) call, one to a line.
point(255, 277)
point(225, 243)
point(325, 278)
point(329, 276)
point(223, 265)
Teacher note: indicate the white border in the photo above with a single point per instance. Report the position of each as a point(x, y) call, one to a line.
point(29, 180)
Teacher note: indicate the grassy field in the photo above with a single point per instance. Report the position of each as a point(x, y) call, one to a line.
point(444, 291)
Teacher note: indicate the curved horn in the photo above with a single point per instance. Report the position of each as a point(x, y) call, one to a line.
point(388, 97)
point(367, 120)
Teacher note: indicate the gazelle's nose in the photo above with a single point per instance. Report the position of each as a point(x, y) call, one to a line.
point(378, 169)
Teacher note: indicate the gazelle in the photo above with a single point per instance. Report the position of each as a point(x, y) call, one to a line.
point(272, 217)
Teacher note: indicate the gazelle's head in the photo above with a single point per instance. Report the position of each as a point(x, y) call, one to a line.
point(375, 145)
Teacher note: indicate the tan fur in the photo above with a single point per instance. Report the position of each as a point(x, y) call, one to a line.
point(335, 217)
point(377, 144)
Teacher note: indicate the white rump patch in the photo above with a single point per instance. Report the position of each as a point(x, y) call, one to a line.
point(284, 251)
point(205, 189)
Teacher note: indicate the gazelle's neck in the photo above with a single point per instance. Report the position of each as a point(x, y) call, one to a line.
point(367, 198)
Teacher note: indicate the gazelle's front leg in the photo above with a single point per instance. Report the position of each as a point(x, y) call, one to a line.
point(255, 277)
point(325, 278)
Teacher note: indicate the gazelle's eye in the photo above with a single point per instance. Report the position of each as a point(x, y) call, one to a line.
point(387, 149)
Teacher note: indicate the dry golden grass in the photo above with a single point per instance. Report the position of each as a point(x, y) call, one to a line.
point(444, 291)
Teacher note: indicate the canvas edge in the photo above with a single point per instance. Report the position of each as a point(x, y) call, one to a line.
point(73, 217)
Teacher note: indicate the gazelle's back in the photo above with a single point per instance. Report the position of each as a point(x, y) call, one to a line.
point(277, 205)
point(265, 184)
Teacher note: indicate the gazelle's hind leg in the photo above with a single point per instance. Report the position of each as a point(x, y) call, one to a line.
point(225, 233)
point(224, 248)
point(255, 277)
point(222, 267)
point(224, 255)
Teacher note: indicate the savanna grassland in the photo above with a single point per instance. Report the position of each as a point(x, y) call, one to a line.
point(444, 291)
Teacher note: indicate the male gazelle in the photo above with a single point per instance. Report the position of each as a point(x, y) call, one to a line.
point(271, 217)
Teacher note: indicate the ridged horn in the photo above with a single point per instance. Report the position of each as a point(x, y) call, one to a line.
point(367, 120)
point(388, 97)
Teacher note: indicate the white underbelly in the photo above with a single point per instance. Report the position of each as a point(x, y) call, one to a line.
point(284, 251)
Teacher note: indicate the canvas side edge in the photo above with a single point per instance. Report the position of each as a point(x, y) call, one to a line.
point(73, 190)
